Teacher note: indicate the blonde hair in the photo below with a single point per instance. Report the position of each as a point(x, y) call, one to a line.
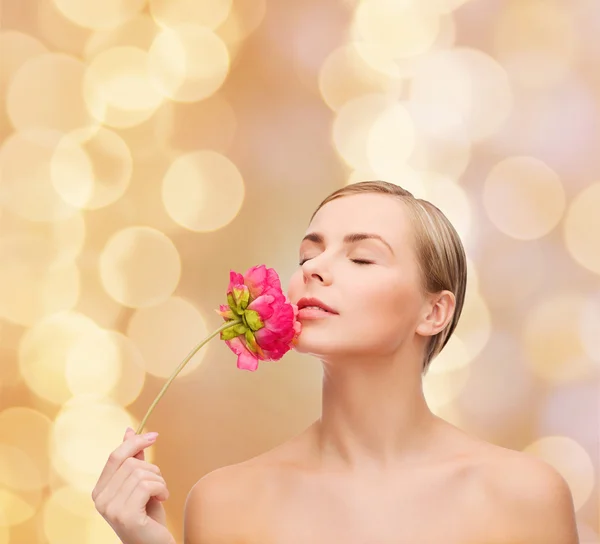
point(440, 252)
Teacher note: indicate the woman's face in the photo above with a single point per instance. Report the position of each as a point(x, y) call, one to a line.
point(375, 289)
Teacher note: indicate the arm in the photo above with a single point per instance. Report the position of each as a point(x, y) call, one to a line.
point(539, 501)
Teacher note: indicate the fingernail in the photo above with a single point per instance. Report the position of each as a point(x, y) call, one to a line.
point(150, 437)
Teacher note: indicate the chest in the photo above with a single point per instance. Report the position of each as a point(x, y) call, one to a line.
point(412, 511)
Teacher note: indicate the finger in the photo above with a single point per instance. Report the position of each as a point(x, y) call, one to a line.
point(129, 448)
point(114, 486)
point(137, 479)
point(129, 433)
point(141, 494)
point(128, 502)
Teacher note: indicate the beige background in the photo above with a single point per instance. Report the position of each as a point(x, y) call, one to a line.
point(148, 147)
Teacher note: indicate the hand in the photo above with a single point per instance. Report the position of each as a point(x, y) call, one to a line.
point(129, 492)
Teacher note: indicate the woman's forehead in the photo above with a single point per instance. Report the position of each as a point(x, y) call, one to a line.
point(378, 214)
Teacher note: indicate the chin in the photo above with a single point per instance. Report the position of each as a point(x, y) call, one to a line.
point(319, 344)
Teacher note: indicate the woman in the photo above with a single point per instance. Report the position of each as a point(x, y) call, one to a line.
point(381, 284)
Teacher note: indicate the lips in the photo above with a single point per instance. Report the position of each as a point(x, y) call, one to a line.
point(305, 302)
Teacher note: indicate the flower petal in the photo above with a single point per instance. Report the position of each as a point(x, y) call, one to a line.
point(246, 359)
point(226, 312)
point(235, 278)
point(261, 280)
point(263, 305)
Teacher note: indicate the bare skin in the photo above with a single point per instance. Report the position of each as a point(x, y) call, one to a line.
point(378, 467)
point(463, 491)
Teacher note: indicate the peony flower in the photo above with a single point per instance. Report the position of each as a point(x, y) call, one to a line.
point(269, 325)
point(260, 323)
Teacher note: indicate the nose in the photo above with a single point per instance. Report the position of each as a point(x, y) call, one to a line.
point(315, 270)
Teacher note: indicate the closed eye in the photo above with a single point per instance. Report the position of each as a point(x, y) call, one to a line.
point(357, 261)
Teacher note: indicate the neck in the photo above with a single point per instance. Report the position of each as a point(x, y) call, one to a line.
point(374, 413)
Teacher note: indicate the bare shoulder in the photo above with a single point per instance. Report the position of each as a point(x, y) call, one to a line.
point(219, 507)
point(229, 504)
point(531, 495)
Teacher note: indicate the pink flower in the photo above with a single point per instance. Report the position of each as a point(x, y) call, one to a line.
point(268, 326)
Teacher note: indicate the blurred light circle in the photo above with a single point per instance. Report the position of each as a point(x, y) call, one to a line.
point(454, 355)
point(475, 324)
point(56, 30)
point(17, 508)
point(538, 124)
point(391, 139)
point(43, 352)
point(582, 228)
point(140, 266)
point(474, 85)
point(352, 127)
point(93, 300)
point(166, 333)
point(346, 74)
point(68, 517)
point(99, 14)
point(18, 471)
point(447, 375)
point(401, 27)
point(85, 431)
point(60, 106)
point(572, 411)
point(442, 143)
point(132, 374)
point(208, 13)
point(243, 19)
point(473, 278)
point(138, 32)
point(571, 461)
point(188, 62)
point(27, 431)
point(30, 291)
point(511, 272)
point(17, 48)
point(403, 176)
point(91, 168)
point(203, 191)
point(446, 36)
point(589, 325)
point(118, 89)
point(39, 275)
point(25, 178)
point(9, 370)
point(452, 200)
point(552, 339)
point(93, 365)
point(586, 534)
point(208, 124)
point(500, 388)
point(523, 197)
point(439, 6)
point(536, 42)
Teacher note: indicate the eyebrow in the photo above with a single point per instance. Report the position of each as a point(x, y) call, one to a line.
point(352, 238)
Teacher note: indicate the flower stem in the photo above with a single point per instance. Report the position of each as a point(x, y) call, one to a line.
point(226, 325)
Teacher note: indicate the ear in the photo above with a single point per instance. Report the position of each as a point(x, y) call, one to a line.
point(437, 313)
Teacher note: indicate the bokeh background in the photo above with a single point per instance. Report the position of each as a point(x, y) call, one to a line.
point(150, 146)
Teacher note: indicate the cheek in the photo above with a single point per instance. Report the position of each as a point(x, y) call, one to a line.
point(385, 305)
point(295, 286)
